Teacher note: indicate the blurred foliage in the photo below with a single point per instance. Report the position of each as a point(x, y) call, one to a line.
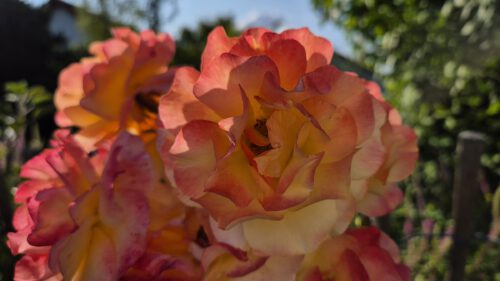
point(21, 109)
point(440, 66)
point(94, 26)
point(191, 42)
point(28, 51)
point(95, 17)
point(495, 211)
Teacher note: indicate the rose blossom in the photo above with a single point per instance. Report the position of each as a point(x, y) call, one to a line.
point(269, 138)
point(90, 216)
point(118, 88)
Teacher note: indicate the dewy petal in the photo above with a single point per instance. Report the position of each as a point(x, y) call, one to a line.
point(299, 231)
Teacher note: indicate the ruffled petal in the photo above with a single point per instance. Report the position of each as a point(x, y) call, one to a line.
point(319, 51)
point(52, 220)
point(290, 58)
point(179, 105)
point(217, 43)
point(299, 231)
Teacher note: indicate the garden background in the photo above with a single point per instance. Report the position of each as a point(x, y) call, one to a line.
point(438, 62)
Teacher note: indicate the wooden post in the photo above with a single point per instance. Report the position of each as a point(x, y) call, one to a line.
point(466, 193)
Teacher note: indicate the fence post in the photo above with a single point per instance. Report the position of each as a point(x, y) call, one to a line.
point(470, 146)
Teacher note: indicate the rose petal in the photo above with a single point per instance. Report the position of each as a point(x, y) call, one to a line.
point(299, 231)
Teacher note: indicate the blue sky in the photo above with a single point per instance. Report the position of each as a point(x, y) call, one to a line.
point(293, 13)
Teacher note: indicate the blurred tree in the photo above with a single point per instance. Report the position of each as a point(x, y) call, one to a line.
point(154, 18)
point(440, 65)
point(28, 51)
point(96, 17)
point(190, 44)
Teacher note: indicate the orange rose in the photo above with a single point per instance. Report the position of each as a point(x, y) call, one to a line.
point(116, 89)
point(269, 137)
point(91, 217)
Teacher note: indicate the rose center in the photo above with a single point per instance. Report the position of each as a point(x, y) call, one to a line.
point(263, 145)
point(260, 126)
point(148, 102)
point(145, 112)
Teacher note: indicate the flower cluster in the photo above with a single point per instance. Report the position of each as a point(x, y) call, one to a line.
point(251, 168)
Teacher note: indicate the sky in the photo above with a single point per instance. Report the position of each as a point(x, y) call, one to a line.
point(292, 13)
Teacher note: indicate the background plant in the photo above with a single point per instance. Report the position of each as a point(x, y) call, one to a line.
point(439, 64)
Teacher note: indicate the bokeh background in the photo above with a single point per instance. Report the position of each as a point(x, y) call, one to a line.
point(437, 61)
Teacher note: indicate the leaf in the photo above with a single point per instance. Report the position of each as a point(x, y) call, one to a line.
point(19, 87)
